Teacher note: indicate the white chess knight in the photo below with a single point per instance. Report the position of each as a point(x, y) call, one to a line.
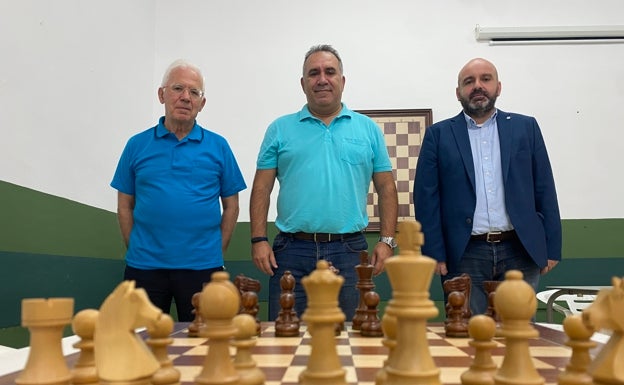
point(120, 354)
point(607, 312)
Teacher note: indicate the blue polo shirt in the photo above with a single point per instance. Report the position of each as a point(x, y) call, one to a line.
point(324, 172)
point(177, 186)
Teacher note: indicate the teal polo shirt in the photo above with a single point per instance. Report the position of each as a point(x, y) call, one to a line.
point(324, 172)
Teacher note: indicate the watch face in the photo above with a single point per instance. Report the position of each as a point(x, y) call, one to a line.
point(388, 241)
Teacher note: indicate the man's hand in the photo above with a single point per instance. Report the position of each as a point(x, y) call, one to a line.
point(263, 257)
point(551, 265)
point(441, 268)
point(381, 252)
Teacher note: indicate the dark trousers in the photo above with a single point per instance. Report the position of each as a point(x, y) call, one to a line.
point(485, 261)
point(300, 258)
point(163, 285)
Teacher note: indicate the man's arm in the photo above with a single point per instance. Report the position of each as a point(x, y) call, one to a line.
point(125, 209)
point(261, 252)
point(228, 219)
point(388, 212)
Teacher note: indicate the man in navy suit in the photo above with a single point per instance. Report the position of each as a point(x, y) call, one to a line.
point(484, 190)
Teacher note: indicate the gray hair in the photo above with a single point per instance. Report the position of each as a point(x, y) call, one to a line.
point(323, 48)
point(181, 63)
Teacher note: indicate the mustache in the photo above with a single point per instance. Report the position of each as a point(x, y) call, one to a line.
point(479, 93)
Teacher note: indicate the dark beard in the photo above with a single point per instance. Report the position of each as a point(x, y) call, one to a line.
point(478, 111)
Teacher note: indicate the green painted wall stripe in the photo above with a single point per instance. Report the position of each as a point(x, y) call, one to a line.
point(51, 246)
point(35, 222)
point(587, 238)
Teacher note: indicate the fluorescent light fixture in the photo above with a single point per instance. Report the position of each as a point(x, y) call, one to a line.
point(545, 35)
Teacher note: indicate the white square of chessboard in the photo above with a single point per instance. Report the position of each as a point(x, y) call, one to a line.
point(279, 341)
point(293, 372)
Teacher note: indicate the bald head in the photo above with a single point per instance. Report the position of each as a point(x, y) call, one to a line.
point(477, 89)
point(477, 64)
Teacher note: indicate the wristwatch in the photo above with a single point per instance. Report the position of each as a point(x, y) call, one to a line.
point(388, 241)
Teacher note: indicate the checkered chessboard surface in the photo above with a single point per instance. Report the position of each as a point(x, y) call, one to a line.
point(283, 358)
point(403, 136)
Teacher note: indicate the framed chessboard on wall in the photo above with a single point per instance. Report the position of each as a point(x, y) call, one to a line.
point(404, 131)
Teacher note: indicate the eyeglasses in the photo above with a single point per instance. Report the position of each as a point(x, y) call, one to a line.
point(179, 89)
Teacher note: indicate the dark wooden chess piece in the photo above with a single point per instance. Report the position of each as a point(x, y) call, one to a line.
point(340, 325)
point(248, 289)
point(371, 326)
point(249, 305)
point(461, 283)
point(244, 283)
point(490, 289)
point(197, 324)
point(287, 323)
point(456, 325)
point(364, 284)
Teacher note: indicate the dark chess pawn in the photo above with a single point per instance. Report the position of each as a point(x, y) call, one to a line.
point(195, 326)
point(287, 323)
point(371, 326)
point(364, 284)
point(456, 325)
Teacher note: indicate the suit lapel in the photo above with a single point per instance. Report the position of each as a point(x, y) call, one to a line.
point(504, 124)
point(460, 132)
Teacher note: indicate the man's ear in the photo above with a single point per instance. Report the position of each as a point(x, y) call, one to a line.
point(161, 95)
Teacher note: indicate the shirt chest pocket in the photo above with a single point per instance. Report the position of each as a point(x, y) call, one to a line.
point(355, 151)
point(206, 176)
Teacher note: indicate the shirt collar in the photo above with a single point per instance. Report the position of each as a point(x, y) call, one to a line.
point(472, 124)
point(305, 113)
point(162, 131)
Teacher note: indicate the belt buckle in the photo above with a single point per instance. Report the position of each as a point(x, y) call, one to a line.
point(487, 237)
point(318, 240)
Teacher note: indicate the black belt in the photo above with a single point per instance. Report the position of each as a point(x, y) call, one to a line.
point(321, 237)
point(495, 236)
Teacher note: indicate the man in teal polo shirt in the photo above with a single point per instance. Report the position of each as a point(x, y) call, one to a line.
point(172, 180)
point(324, 158)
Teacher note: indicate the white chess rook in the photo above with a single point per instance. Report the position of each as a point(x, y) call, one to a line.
point(45, 319)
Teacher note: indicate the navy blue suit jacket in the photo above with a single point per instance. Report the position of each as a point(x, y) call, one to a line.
point(444, 188)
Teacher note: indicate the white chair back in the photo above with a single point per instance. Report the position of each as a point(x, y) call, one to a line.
point(575, 303)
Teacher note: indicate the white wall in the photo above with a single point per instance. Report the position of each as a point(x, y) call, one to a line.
point(77, 78)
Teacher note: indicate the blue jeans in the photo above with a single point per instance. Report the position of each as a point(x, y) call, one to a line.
point(300, 258)
point(485, 261)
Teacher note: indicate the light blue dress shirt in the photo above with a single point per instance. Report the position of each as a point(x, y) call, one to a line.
point(490, 212)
